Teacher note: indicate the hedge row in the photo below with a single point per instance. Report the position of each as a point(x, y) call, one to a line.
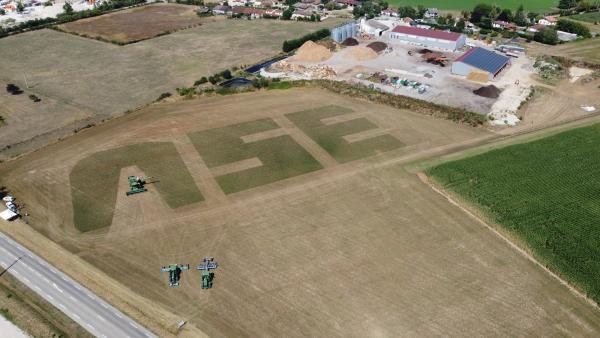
point(290, 45)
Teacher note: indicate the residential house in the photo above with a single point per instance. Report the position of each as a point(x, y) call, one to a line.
point(236, 3)
point(222, 10)
point(549, 20)
point(301, 14)
point(350, 4)
point(253, 13)
point(431, 13)
point(504, 25)
point(390, 12)
point(274, 13)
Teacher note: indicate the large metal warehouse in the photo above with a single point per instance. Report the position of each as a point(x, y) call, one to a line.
point(428, 37)
point(480, 60)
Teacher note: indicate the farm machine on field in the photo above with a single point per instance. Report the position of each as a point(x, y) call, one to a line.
point(174, 271)
point(136, 184)
point(207, 276)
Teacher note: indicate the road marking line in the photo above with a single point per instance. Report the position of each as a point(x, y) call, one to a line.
point(76, 316)
point(148, 335)
point(61, 306)
point(37, 288)
point(26, 280)
point(101, 318)
point(57, 288)
point(104, 305)
point(73, 298)
point(28, 267)
point(78, 287)
point(50, 297)
point(45, 279)
point(132, 324)
point(118, 314)
point(65, 278)
point(91, 327)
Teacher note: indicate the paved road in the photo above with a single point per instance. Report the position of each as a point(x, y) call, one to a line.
point(91, 312)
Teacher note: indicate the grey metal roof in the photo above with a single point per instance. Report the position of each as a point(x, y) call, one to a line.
point(484, 59)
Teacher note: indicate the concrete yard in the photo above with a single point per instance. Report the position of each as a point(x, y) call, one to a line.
point(443, 86)
point(358, 247)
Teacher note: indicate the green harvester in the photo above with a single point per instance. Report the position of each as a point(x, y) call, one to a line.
point(174, 271)
point(136, 184)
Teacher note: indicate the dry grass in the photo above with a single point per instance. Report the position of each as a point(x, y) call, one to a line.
point(136, 24)
point(355, 249)
point(102, 80)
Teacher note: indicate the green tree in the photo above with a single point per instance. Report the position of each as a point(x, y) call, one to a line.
point(68, 8)
point(505, 15)
point(547, 36)
point(460, 26)
point(480, 11)
point(520, 18)
point(573, 27)
point(287, 14)
point(2, 11)
point(567, 4)
point(407, 11)
point(20, 7)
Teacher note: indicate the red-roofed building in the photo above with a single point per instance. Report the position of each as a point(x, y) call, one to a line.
point(253, 13)
point(427, 37)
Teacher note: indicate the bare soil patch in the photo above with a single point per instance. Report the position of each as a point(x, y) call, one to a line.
point(136, 24)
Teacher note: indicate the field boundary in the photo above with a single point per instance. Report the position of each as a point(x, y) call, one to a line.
point(119, 43)
point(468, 209)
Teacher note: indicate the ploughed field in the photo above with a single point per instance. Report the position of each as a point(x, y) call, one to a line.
point(136, 24)
point(545, 193)
point(301, 197)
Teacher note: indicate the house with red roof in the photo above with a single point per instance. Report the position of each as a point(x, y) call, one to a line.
point(430, 38)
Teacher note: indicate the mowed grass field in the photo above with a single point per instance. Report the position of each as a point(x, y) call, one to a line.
point(103, 80)
point(94, 181)
point(546, 194)
point(280, 157)
point(530, 5)
point(331, 136)
point(587, 17)
point(136, 24)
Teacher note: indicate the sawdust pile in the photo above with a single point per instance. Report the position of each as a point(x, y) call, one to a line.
point(313, 71)
point(490, 91)
point(312, 52)
point(350, 42)
point(360, 53)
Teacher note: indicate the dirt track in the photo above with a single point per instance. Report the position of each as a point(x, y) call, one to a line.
point(359, 249)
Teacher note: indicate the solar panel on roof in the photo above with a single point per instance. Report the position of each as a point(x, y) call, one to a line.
point(485, 60)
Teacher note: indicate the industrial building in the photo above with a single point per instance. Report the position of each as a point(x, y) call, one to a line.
point(427, 37)
point(480, 61)
point(372, 27)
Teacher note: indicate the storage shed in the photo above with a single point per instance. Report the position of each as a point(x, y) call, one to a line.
point(479, 60)
point(427, 37)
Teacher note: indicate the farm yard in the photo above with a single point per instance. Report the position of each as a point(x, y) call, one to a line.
point(136, 24)
point(103, 80)
point(544, 193)
point(342, 241)
point(531, 5)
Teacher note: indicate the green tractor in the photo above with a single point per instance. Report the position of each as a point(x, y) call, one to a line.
point(174, 271)
point(136, 184)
